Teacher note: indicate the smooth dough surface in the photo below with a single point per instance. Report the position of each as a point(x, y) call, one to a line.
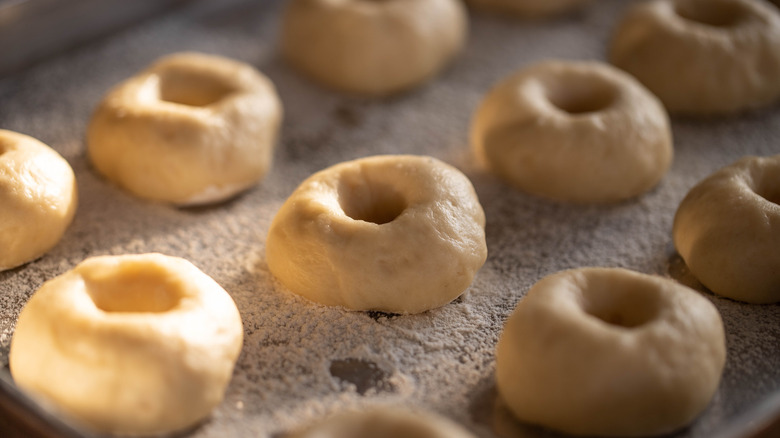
point(396, 233)
point(573, 131)
point(38, 198)
point(191, 129)
point(702, 56)
point(727, 229)
point(384, 423)
point(610, 352)
point(135, 344)
point(372, 47)
point(528, 8)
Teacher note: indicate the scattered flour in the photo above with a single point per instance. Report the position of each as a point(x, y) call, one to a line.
point(442, 360)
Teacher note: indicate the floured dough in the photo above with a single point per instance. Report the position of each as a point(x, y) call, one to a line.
point(573, 131)
point(727, 229)
point(702, 56)
point(610, 352)
point(38, 198)
point(135, 344)
point(373, 47)
point(396, 233)
point(191, 129)
point(384, 423)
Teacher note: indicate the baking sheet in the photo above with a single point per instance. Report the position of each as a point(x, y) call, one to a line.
point(31, 30)
point(302, 361)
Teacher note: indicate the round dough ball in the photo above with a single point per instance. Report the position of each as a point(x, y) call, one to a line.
point(573, 131)
point(373, 47)
point(727, 229)
point(384, 423)
point(528, 8)
point(397, 233)
point(702, 56)
point(38, 198)
point(191, 129)
point(610, 352)
point(134, 344)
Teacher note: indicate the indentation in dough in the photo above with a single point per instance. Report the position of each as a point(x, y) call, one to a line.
point(133, 289)
point(192, 88)
point(365, 375)
point(5, 145)
point(715, 14)
point(768, 189)
point(580, 95)
point(367, 200)
point(630, 309)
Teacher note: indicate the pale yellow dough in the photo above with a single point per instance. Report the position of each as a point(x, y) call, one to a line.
point(528, 8)
point(135, 344)
point(610, 352)
point(574, 131)
point(191, 129)
point(702, 56)
point(396, 233)
point(38, 198)
point(727, 229)
point(384, 423)
point(373, 47)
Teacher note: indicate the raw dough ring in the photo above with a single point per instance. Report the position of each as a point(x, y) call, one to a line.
point(702, 56)
point(727, 229)
point(528, 8)
point(573, 131)
point(384, 423)
point(373, 47)
point(38, 198)
point(191, 129)
point(396, 233)
point(135, 344)
point(610, 352)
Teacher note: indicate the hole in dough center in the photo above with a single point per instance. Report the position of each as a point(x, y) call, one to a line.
point(769, 189)
point(5, 145)
point(135, 289)
point(192, 88)
point(370, 201)
point(628, 309)
point(715, 14)
point(581, 96)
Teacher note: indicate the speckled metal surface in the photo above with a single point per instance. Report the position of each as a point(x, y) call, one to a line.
point(302, 361)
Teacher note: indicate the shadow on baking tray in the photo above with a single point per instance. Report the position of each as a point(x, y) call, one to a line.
point(487, 409)
point(21, 417)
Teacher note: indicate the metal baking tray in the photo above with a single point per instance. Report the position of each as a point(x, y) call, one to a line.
point(302, 361)
point(31, 30)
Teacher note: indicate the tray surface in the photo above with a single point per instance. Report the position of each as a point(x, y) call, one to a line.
point(300, 360)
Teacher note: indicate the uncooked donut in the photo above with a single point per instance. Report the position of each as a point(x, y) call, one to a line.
point(528, 8)
point(384, 423)
point(702, 56)
point(573, 131)
point(191, 129)
point(136, 344)
point(727, 229)
point(372, 47)
point(396, 233)
point(38, 197)
point(610, 352)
